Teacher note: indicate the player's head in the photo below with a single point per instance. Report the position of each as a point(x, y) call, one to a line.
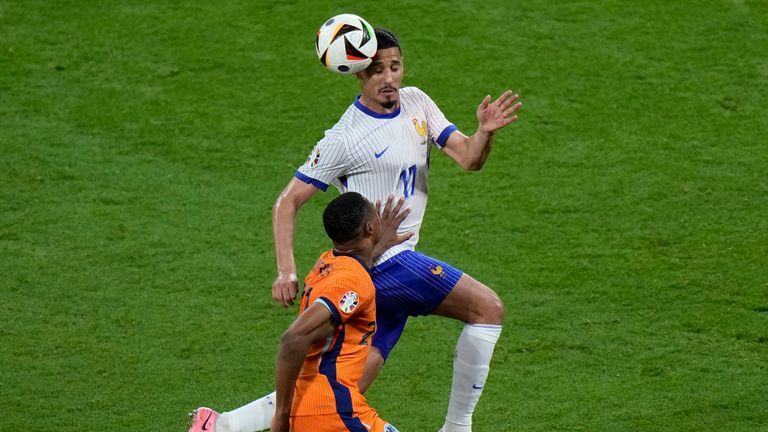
point(350, 218)
point(386, 39)
point(381, 80)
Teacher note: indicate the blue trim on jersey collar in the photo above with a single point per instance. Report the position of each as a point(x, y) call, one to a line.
point(309, 180)
point(374, 114)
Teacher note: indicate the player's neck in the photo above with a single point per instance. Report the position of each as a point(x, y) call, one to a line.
point(362, 251)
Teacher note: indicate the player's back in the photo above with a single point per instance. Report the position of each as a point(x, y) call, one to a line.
point(328, 380)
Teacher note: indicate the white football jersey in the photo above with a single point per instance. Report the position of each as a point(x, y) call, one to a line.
point(378, 155)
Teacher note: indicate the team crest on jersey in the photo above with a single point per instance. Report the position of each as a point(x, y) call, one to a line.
point(437, 271)
point(349, 302)
point(314, 157)
point(421, 128)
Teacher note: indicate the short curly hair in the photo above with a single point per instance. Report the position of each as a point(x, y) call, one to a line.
point(344, 218)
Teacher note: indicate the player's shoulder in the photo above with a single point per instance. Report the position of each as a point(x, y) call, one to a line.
point(351, 265)
point(333, 262)
point(347, 127)
point(413, 92)
point(335, 274)
point(415, 98)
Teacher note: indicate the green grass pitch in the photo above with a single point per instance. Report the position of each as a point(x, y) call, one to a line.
point(623, 220)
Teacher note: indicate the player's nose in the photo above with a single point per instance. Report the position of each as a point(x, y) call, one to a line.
point(389, 76)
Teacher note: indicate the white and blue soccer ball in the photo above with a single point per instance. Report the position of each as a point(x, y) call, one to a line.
point(346, 44)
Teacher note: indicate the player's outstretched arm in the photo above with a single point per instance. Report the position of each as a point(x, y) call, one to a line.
point(471, 152)
point(315, 324)
point(392, 215)
point(296, 193)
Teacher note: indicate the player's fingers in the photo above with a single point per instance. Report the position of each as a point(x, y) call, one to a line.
point(403, 237)
point(506, 95)
point(402, 215)
point(388, 206)
point(284, 291)
point(281, 301)
point(291, 296)
point(485, 102)
point(378, 206)
point(390, 200)
point(277, 295)
point(511, 110)
point(287, 300)
point(507, 99)
point(399, 205)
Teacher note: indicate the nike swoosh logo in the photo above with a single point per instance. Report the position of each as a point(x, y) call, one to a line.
point(205, 424)
point(378, 155)
point(477, 387)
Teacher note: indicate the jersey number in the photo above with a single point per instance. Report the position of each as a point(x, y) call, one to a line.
point(409, 181)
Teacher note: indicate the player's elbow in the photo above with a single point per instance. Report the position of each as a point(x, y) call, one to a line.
point(284, 209)
point(474, 167)
point(473, 164)
point(292, 341)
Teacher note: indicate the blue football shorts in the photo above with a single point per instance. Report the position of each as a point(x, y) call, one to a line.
point(408, 284)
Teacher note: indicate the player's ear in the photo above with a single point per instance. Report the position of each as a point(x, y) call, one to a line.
point(370, 228)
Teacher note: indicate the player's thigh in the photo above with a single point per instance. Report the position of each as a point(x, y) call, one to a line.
point(472, 302)
point(412, 284)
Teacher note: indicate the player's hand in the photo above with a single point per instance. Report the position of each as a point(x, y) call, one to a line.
point(392, 215)
point(493, 116)
point(284, 289)
point(280, 423)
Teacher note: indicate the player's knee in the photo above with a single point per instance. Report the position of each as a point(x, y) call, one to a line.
point(491, 310)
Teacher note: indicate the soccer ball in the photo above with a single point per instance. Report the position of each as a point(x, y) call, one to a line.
point(346, 44)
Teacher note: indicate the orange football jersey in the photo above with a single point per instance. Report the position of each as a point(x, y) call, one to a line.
point(327, 383)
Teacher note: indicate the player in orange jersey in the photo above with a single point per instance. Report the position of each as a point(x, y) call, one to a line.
point(322, 354)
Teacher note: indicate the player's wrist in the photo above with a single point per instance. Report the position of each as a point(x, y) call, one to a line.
point(482, 129)
point(287, 275)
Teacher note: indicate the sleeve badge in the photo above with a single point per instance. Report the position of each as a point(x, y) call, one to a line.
point(314, 157)
point(349, 302)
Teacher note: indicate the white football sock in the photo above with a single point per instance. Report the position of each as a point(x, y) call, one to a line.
point(470, 370)
point(254, 417)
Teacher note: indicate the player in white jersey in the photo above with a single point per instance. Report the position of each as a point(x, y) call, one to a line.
point(381, 155)
point(381, 146)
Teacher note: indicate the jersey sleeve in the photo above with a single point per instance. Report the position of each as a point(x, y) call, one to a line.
point(349, 294)
point(439, 128)
point(327, 162)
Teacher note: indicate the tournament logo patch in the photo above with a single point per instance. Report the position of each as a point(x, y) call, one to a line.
point(314, 157)
point(349, 302)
